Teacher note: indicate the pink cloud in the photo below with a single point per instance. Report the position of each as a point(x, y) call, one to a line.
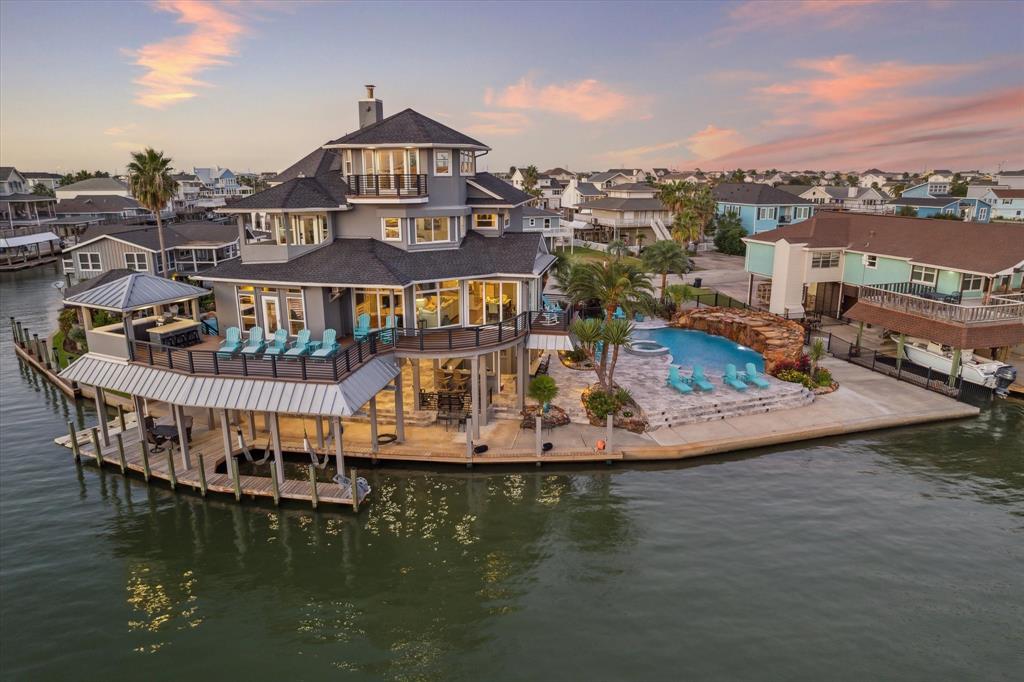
point(712, 142)
point(586, 100)
point(757, 15)
point(173, 64)
point(498, 123)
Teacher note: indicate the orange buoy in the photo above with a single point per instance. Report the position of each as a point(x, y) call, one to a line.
point(600, 445)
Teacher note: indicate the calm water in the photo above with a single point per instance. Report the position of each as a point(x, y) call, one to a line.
point(892, 556)
point(690, 347)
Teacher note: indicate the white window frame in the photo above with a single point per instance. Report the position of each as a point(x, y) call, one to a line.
point(533, 222)
point(87, 266)
point(924, 270)
point(348, 162)
point(767, 212)
point(982, 213)
point(384, 229)
point(508, 219)
point(416, 229)
point(871, 262)
point(803, 212)
point(448, 155)
point(136, 254)
point(465, 154)
point(68, 259)
point(478, 226)
point(973, 279)
point(825, 259)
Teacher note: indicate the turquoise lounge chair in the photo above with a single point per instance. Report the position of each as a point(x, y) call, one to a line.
point(699, 380)
point(675, 380)
point(619, 314)
point(328, 346)
point(279, 344)
point(387, 334)
point(255, 344)
point(232, 342)
point(731, 379)
point(753, 377)
point(362, 329)
point(301, 345)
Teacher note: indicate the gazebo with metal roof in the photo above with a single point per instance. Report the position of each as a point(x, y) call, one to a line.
point(137, 291)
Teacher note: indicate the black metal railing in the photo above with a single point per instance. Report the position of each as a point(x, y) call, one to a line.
point(922, 290)
point(463, 338)
point(387, 185)
point(263, 366)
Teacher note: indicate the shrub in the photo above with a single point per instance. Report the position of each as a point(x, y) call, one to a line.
point(67, 319)
point(543, 389)
point(795, 377)
point(623, 397)
point(823, 377)
point(803, 365)
point(576, 355)
point(601, 404)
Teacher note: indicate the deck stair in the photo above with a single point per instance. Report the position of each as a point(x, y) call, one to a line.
point(725, 404)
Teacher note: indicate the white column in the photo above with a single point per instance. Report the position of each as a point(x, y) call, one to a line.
point(179, 418)
point(140, 417)
point(521, 375)
point(373, 424)
point(415, 362)
point(225, 426)
point(339, 457)
point(474, 392)
point(399, 410)
point(101, 414)
point(483, 390)
point(275, 435)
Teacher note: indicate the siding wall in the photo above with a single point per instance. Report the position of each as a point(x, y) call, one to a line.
point(887, 270)
point(759, 259)
point(111, 254)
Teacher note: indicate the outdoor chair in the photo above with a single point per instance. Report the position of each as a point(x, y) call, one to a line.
point(301, 345)
point(387, 335)
point(157, 441)
point(675, 380)
point(731, 379)
point(698, 379)
point(255, 344)
point(232, 342)
point(362, 329)
point(328, 346)
point(753, 377)
point(279, 344)
point(619, 314)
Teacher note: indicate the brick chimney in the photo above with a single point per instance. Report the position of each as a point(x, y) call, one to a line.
point(371, 109)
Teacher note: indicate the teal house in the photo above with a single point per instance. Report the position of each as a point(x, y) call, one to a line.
point(931, 199)
point(760, 207)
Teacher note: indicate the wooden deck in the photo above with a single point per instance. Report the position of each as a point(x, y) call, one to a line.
point(209, 444)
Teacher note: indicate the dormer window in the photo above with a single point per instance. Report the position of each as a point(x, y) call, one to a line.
point(485, 221)
point(442, 162)
point(467, 163)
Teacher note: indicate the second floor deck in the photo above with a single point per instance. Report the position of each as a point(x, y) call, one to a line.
point(925, 301)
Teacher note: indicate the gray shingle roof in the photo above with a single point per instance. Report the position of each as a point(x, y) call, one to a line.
point(318, 162)
point(199, 233)
point(754, 193)
point(372, 262)
point(933, 202)
point(509, 193)
point(633, 187)
point(95, 185)
point(100, 203)
point(106, 277)
point(794, 189)
point(325, 191)
point(408, 127)
point(533, 211)
point(622, 204)
point(38, 174)
point(588, 189)
point(134, 292)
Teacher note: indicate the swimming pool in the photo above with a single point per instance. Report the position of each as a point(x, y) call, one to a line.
point(690, 347)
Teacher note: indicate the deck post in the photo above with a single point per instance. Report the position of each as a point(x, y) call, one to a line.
point(211, 419)
point(899, 351)
point(415, 363)
point(275, 436)
point(120, 454)
point(399, 409)
point(171, 475)
point(954, 369)
point(179, 419)
point(140, 418)
point(145, 459)
point(860, 333)
point(538, 435)
point(98, 450)
point(233, 469)
point(274, 486)
point(74, 442)
point(120, 418)
point(522, 361)
point(608, 433)
point(373, 425)
point(339, 457)
point(266, 421)
point(101, 412)
point(319, 432)
point(483, 390)
point(202, 473)
point(225, 425)
point(36, 347)
point(355, 490)
point(314, 498)
point(474, 393)
point(252, 425)
point(469, 439)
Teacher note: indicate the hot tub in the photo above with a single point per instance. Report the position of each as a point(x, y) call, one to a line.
point(646, 347)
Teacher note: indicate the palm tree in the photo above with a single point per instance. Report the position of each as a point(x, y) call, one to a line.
point(817, 352)
point(543, 389)
point(614, 283)
point(680, 293)
point(590, 334)
point(664, 257)
point(618, 248)
point(616, 334)
point(530, 177)
point(152, 186)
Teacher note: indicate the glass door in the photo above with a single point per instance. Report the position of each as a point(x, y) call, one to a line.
point(271, 313)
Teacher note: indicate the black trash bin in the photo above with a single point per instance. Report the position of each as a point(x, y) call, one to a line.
point(697, 282)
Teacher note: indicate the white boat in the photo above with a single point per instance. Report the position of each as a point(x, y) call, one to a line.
point(974, 369)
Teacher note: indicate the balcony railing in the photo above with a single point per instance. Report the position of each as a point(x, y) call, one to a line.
point(349, 358)
point(927, 303)
point(381, 185)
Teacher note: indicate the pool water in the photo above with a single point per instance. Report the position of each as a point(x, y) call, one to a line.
point(713, 353)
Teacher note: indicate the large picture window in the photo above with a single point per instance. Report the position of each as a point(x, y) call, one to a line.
point(379, 304)
point(767, 213)
point(136, 261)
point(432, 230)
point(491, 302)
point(308, 228)
point(973, 283)
point(438, 304)
point(923, 275)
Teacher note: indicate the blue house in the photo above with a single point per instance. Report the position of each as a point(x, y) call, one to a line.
point(760, 207)
point(930, 199)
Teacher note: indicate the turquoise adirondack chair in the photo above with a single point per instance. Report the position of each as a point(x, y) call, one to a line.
point(752, 376)
point(232, 342)
point(699, 380)
point(619, 314)
point(255, 343)
point(387, 334)
point(301, 345)
point(675, 380)
point(730, 378)
point(362, 329)
point(279, 343)
point(329, 345)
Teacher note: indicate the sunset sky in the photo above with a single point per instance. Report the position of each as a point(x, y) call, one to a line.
point(257, 85)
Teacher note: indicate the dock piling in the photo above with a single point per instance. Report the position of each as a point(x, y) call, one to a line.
point(120, 418)
point(233, 468)
point(314, 498)
point(355, 489)
point(74, 442)
point(120, 454)
point(144, 446)
point(96, 446)
point(275, 486)
point(202, 474)
point(171, 476)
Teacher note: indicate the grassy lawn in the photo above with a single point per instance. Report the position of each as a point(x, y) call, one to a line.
point(63, 357)
point(581, 253)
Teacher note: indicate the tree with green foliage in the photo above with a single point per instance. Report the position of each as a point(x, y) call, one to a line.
point(152, 186)
point(680, 293)
point(907, 212)
point(664, 257)
point(958, 189)
point(738, 175)
point(947, 216)
point(530, 177)
point(543, 389)
point(817, 352)
point(613, 283)
point(729, 234)
point(852, 180)
point(617, 249)
point(69, 178)
point(600, 340)
point(41, 190)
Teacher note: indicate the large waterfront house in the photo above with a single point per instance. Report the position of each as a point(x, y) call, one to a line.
point(548, 187)
point(760, 207)
point(192, 247)
point(864, 199)
point(932, 198)
point(956, 283)
point(390, 251)
point(19, 207)
point(220, 184)
point(631, 212)
point(617, 176)
point(1007, 204)
point(49, 181)
point(577, 196)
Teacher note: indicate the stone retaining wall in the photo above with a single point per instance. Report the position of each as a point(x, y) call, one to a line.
point(774, 337)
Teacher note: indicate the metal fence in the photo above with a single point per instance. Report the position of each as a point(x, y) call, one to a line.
point(905, 370)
